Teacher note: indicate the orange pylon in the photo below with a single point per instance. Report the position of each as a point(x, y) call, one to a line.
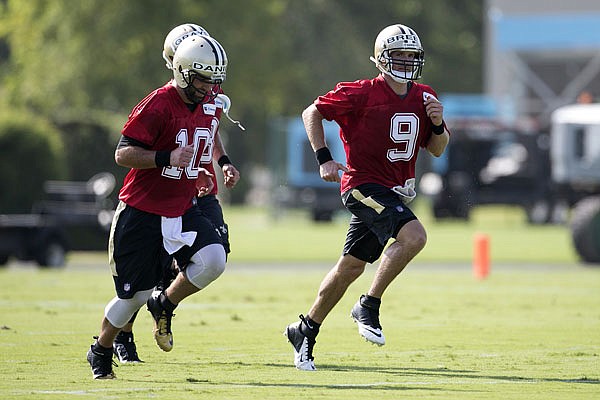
point(481, 256)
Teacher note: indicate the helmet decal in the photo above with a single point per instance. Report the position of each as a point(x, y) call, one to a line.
point(176, 36)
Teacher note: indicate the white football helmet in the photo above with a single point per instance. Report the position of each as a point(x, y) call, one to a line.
point(176, 36)
point(402, 38)
point(200, 57)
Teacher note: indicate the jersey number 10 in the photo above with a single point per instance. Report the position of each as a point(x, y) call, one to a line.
point(203, 146)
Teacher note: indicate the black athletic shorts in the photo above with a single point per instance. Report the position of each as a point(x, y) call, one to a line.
point(210, 208)
point(136, 246)
point(378, 213)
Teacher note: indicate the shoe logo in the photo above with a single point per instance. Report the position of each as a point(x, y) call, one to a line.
point(378, 334)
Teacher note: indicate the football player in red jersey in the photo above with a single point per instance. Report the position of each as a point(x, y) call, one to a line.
point(165, 141)
point(124, 346)
point(384, 122)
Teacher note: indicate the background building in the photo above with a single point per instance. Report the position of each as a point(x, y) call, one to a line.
point(540, 55)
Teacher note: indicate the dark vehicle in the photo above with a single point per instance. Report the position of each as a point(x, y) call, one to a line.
point(489, 163)
point(551, 175)
point(73, 216)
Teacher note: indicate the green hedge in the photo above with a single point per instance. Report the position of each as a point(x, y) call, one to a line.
point(31, 152)
point(90, 148)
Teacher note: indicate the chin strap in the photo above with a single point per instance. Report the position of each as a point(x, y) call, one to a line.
point(226, 107)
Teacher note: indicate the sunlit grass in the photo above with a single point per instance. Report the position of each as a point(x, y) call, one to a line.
point(523, 333)
point(267, 235)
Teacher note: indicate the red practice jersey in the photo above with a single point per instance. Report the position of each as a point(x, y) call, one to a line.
point(381, 131)
point(162, 121)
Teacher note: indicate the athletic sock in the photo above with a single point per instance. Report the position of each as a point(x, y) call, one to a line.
point(309, 327)
point(98, 348)
point(166, 303)
point(124, 335)
point(370, 302)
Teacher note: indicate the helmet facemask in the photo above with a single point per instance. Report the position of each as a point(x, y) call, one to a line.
point(404, 39)
point(199, 96)
point(401, 70)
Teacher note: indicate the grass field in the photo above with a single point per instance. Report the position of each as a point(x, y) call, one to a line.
point(258, 236)
point(527, 332)
point(531, 330)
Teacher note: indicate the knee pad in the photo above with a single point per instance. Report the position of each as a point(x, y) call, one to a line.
point(206, 265)
point(119, 311)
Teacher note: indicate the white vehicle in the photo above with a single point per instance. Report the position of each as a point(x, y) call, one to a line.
point(575, 159)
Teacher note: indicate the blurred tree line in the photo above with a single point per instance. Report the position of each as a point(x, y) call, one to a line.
point(77, 68)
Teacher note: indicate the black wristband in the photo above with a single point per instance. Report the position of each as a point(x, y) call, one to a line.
point(223, 160)
point(323, 155)
point(439, 129)
point(162, 158)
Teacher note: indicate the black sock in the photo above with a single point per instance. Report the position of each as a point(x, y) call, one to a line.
point(98, 348)
point(166, 303)
point(309, 327)
point(370, 302)
point(125, 336)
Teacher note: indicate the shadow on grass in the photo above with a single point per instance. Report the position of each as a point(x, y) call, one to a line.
point(444, 373)
point(418, 373)
point(353, 387)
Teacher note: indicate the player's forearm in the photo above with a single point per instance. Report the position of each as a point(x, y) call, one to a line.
point(219, 148)
point(313, 123)
point(135, 157)
point(437, 143)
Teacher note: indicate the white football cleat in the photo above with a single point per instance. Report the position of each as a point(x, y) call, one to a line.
point(303, 346)
point(367, 320)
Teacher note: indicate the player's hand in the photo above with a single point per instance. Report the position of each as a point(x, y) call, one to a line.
point(435, 110)
point(231, 175)
point(204, 184)
point(182, 156)
point(330, 171)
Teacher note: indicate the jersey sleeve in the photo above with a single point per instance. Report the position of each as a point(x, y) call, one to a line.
point(338, 102)
point(145, 123)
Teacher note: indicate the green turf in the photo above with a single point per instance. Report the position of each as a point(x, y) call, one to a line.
point(526, 332)
point(266, 236)
point(259, 236)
